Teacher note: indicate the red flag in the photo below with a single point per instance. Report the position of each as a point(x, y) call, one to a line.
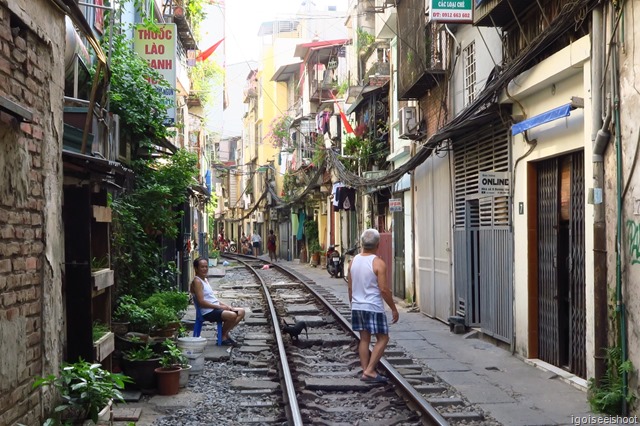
point(206, 53)
point(347, 126)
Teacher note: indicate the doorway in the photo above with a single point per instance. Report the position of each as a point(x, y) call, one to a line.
point(561, 269)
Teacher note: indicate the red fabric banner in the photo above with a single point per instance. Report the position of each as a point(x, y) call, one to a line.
point(206, 53)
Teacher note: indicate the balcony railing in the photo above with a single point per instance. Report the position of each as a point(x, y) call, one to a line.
point(421, 65)
point(498, 13)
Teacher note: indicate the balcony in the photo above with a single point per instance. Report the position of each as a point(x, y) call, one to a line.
point(178, 9)
point(421, 64)
point(498, 13)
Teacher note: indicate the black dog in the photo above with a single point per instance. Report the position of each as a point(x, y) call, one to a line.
point(294, 330)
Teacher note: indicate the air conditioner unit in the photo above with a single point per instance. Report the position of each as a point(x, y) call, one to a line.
point(408, 122)
point(259, 217)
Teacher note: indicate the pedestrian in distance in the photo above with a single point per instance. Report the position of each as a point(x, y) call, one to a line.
point(368, 291)
point(211, 308)
point(256, 239)
point(271, 246)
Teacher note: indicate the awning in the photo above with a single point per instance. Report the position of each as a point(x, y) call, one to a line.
point(545, 117)
point(367, 92)
point(286, 71)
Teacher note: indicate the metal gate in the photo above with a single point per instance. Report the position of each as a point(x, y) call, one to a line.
point(433, 237)
point(561, 268)
point(483, 248)
point(578, 330)
point(398, 255)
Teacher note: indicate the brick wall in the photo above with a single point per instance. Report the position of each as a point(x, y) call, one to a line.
point(30, 285)
point(433, 106)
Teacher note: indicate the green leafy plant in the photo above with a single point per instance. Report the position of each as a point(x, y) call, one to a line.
point(141, 107)
point(162, 316)
point(85, 389)
point(99, 263)
point(204, 76)
point(138, 260)
point(608, 396)
point(142, 353)
point(99, 329)
point(315, 247)
point(176, 301)
point(365, 40)
point(129, 310)
point(195, 15)
point(172, 355)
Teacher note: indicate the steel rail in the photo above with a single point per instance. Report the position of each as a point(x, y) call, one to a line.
point(295, 416)
point(422, 405)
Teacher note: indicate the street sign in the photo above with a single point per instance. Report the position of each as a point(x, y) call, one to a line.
point(395, 204)
point(451, 11)
point(494, 184)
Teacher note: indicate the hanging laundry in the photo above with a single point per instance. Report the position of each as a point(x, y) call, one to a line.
point(347, 199)
point(323, 119)
point(302, 216)
point(294, 223)
point(334, 193)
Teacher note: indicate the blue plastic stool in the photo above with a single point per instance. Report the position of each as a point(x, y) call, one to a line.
point(197, 327)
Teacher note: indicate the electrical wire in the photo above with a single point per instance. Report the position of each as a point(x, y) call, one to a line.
point(479, 107)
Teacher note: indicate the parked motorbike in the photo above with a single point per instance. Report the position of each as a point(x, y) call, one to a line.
point(346, 260)
point(334, 262)
point(230, 247)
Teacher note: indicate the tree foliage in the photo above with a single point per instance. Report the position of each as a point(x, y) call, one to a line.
point(150, 211)
point(139, 104)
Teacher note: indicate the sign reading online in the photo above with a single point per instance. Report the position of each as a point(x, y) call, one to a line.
point(494, 183)
point(395, 204)
point(159, 50)
point(452, 10)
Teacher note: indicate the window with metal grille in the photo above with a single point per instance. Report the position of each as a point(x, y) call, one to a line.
point(470, 72)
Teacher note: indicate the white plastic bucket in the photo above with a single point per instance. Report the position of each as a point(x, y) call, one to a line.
point(193, 349)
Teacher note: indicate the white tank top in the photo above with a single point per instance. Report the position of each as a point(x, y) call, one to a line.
point(365, 293)
point(208, 296)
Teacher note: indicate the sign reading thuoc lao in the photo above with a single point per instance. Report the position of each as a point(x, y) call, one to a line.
point(452, 11)
point(494, 184)
point(159, 50)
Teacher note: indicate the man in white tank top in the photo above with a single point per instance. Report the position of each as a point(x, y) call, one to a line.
point(211, 308)
point(368, 290)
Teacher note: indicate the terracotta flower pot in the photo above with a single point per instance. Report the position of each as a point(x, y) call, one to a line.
point(168, 380)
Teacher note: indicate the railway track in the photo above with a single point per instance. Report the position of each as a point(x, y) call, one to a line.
point(318, 375)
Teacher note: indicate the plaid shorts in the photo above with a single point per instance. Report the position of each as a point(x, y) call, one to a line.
point(373, 322)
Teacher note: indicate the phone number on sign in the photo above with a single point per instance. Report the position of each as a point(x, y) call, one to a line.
point(457, 15)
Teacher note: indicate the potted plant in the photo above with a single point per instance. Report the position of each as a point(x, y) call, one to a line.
point(179, 359)
point(103, 341)
point(164, 321)
point(130, 313)
point(214, 255)
point(140, 364)
point(316, 250)
point(86, 391)
point(169, 372)
point(177, 301)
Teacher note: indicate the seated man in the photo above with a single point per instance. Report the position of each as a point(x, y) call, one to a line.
point(210, 307)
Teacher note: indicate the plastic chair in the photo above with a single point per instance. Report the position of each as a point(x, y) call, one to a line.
point(197, 326)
